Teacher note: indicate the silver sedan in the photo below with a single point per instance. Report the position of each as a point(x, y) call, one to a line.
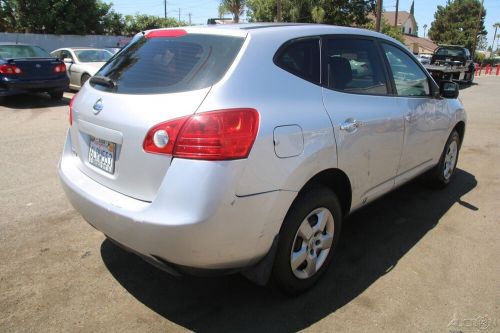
point(81, 63)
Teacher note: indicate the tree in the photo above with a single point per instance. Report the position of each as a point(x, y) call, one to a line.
point(456, 23)
point(8, 19)
point(141, 22)
point(338, 12)
point(54, 16)
point(386, 28)
point(235, 7)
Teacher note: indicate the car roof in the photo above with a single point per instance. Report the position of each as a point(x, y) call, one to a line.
point(286, 30)
point(79, 48)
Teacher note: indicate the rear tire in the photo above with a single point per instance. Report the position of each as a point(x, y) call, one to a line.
point(56, 95)
point(85, 78)
point(308, 237)
point(440, 176)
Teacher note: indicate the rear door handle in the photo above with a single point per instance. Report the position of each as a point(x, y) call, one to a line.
point(350, 125)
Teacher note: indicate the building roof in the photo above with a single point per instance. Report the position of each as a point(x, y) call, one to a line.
point(402, 16)
point(422, 42)
point(389, 16)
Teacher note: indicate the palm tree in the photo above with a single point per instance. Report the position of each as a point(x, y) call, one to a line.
point(425, 28)
point(235, 7)
point(496, 26)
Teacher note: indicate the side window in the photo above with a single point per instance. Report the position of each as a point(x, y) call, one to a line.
point(409, 78)
point(301, 58)
point(66, 54)
point(353, 65)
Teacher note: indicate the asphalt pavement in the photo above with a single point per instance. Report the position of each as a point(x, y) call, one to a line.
point(417, 260)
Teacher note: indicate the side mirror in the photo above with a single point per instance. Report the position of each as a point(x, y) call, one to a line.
point(448, 89)
point(68, 60)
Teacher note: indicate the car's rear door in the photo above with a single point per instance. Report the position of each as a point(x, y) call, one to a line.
point(368, 122)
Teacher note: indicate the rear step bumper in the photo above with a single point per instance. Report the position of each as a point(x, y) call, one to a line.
point(195, 221)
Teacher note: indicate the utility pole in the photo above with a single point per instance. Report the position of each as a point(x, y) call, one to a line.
point(473, 53)
point(278, 10)
point(189, 18)
point(165, 3)
point(179, 15)
point(379, 15)
point(396, 17)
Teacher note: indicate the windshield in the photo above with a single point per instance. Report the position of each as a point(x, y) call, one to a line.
point(22, 51)
point(93, 55)
point(451, 51)
point(166, 65)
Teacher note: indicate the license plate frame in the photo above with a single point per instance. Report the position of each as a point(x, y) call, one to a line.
point(102, 154)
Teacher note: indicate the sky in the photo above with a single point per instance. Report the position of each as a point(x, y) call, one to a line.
point(201, 10)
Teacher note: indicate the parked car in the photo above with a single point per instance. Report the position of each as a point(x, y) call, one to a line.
point(113, 50)
point(243, 147)
point(29, 68)
point(82, 63)
point(425, 59)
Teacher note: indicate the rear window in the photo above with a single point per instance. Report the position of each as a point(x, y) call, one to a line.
point(22, 51)
point(93, 55)
point(451, 51)
point(167, 65)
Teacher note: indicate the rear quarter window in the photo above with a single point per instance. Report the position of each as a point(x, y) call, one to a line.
point(168, 65)
point(301, 58)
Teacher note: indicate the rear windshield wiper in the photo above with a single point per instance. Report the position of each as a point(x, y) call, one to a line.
point(103, 81)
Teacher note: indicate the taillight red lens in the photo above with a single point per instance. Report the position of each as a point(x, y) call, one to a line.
point(71, 110)
point(216, 135)
point(10, 70)
point(60, 68)
point(171, 128)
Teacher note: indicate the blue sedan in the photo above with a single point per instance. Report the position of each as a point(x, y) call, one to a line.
point(29, 68)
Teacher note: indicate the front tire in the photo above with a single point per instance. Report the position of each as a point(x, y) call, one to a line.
point(308, 237)
point(441, 174)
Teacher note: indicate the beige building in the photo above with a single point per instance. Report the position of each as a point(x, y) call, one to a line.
point(408, 26)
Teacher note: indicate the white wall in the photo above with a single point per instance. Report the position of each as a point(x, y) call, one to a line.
point(52, 42)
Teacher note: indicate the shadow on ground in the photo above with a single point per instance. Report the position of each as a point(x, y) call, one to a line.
point(373, 240)
point(32, 101)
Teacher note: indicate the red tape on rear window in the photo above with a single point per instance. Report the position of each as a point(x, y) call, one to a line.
point(166, 33)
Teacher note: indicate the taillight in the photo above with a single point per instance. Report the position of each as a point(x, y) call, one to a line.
point(71, 110)
point(60, 68)
point(216, 135)
point(10, 70)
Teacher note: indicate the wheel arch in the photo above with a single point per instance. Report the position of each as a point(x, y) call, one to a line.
point(460, 128)
point(337, 181)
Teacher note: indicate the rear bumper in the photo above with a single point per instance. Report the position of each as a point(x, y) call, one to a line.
point(204, 227)
point(15, 86)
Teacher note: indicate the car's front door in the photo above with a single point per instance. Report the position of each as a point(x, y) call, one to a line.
point(368, 122)
point(426, 116)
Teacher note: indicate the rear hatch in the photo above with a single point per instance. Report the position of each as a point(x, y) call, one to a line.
point(158, 77)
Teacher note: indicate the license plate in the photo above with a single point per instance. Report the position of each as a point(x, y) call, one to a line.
point(102, 154)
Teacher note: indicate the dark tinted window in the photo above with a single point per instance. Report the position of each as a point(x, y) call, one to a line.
point(301, 58)
point(353, 65)
point(451, 51)
point(409, 78)
point(167, 65)
point(22, 51)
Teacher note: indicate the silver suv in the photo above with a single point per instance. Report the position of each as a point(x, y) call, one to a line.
point(243, 148)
